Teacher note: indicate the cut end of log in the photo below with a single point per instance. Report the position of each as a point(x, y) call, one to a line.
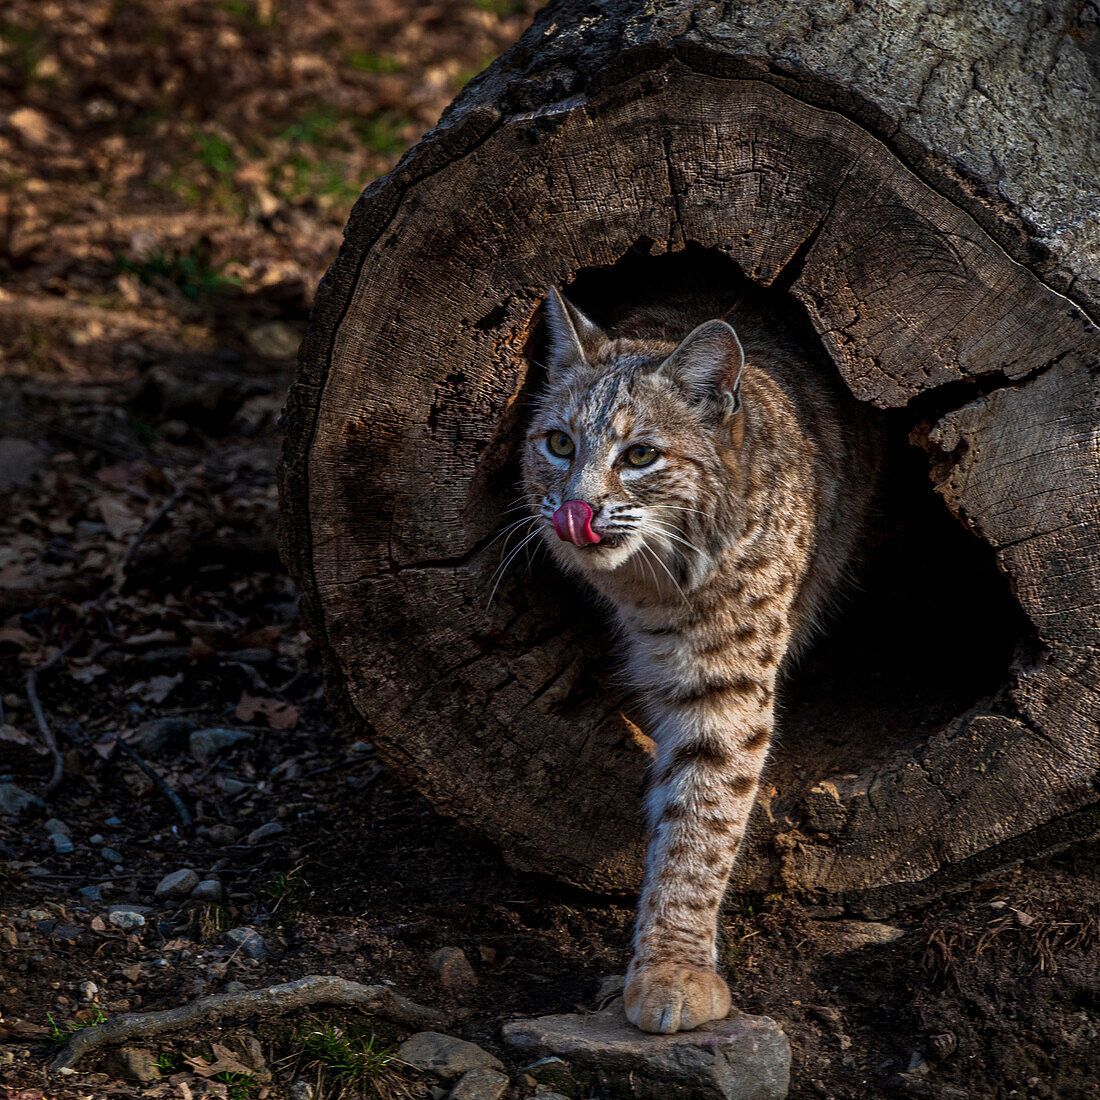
point(947, 722)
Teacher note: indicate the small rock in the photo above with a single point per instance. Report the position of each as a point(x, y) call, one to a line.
point(236, 987)
point(61, 843)
point(233, 786)
point(740, 1058)
point(54, 825)
point(88, 990)
point(551, 1096)
point(487, 954)
point(611, 986)
point(133, 1064)
point(300, 1090)
point(206, 744)
point(248, 940)
point(437, 1093)
point(453, 969)
point(360, 748)
point(65, 931)
point(480, 1084)
point(943, 1044)
point(444, 1055)
point(126, 919)
point(917, 1064)
point(1025, 920)
point(96, 838)
point(111, 855)
point(178, 884)
point(163, 734)
point(14, 801)
point(20, 461)
point(274, 340)
point(223, 833)
point(998, 904)
point(113, 823)
point(210, 889)
point(265, 832)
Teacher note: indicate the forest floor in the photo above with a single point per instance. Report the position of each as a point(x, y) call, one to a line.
point(175, 176)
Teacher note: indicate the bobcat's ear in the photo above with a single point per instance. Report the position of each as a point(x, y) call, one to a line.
point(707, 366)
point(574, 339)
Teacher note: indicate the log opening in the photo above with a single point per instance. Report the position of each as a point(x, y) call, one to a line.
point(927, 628)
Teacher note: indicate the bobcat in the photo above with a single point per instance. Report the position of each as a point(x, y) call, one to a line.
point(711, 483)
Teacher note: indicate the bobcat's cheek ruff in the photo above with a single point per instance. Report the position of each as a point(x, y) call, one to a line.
point(573, 523)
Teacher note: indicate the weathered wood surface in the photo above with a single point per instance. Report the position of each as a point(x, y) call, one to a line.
point(913, 180)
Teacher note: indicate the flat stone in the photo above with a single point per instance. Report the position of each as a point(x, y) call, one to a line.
point(248, 940)
point(480, 1084)
point(265, 832)
point(453, 969)
point(55, 825)
point(206, 744)
point(20, 462)
point(62, 844)
point(444, 1055)
point(740, 1058)
point(14, 801)
point(178, 884)
point(110, 855)
point(210, 889)
point(91, 893)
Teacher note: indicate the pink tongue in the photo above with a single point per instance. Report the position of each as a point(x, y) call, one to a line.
point(573, 523)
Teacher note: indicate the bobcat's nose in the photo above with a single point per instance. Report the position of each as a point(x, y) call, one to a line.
point(573, 523)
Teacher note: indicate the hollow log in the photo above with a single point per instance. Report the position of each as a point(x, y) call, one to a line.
point(918, 186)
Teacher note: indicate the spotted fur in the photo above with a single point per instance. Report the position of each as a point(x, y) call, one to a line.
point(717, 559)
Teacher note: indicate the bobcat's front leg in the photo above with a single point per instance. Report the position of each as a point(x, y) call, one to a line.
point(712, 742)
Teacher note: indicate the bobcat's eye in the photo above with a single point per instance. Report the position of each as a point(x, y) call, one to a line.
point(641, 454)
point(560, 444)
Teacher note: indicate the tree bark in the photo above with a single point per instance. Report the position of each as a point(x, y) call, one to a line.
point(922, 180)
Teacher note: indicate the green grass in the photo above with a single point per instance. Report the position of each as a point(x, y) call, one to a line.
point(215, 154)
point(350, 1058)
point(59, 1033)
point(168, 1061)
point(363, 61)
point(21, 49)
point(190, 272)
point(239, 1086)
point(284, 887)
point(249, 12)
point(502, 8)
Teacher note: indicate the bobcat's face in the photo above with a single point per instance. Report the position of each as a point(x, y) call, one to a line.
point(626, 444)
point(609, 466)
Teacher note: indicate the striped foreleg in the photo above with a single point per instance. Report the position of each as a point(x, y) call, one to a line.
point(711, 751)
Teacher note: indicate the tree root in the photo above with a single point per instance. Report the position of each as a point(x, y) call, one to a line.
point(380, 1000)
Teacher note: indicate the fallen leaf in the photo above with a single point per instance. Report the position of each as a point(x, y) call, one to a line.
point(279, 715)
point(18, 737)
point(158, 688)
point(225, 1061)
point(120, 521)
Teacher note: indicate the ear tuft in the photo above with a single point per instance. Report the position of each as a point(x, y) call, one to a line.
point(707, 365)
point(574, 339)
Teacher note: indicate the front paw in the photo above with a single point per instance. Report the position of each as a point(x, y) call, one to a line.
point(672, 997)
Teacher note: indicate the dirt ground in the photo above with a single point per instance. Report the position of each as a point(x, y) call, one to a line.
point(175, 176)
